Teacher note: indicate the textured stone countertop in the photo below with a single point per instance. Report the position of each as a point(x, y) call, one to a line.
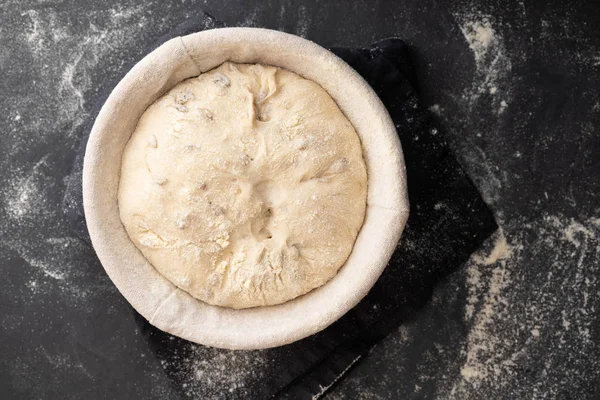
point(515, 84)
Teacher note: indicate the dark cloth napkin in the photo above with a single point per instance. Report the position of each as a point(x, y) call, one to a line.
point(448, 221)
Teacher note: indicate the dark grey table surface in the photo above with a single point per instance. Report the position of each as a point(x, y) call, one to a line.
point(515, 84)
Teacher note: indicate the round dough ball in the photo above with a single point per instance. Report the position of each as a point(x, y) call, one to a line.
point(244, 186)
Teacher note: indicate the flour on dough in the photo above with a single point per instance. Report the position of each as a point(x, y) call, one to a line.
point(244, 186)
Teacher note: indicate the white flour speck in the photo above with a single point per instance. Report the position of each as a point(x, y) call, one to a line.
point(503, 105)
point(436, 109)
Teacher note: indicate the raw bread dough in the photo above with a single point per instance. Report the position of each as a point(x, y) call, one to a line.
point(244, 186)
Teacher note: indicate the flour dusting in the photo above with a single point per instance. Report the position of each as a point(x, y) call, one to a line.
point(499, 253)
point(436, 109)
point(205, 372)
point(34, 37)
point(251, 19)
point(80, 54)
point(481, 36)
point(23, 198)
point(488, 89)
point(492, 63)
point(489, 179)
point(65, 62)
point(304, 21)
point(478, 366)
point(503, 105)
point(508, 318)
point(576, 233)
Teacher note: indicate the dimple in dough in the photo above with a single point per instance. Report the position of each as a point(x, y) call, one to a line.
point(245, 186)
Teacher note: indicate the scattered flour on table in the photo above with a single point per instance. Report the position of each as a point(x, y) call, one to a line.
point(498, 255)
point(480, 36)
point(304, 21)
point(487, 89)
point(206, 372)
point(493, 66)
point(251, 19)
point(58, 51)
point(490, 295)
point(513, 325)
point(490, 180)
point(64, 62)
point(22, 194)
point(436, 109)
point(63, 362)
point(27, 206)
point(233, 370)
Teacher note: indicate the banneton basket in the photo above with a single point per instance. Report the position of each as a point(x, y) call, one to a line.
point(172, 309)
